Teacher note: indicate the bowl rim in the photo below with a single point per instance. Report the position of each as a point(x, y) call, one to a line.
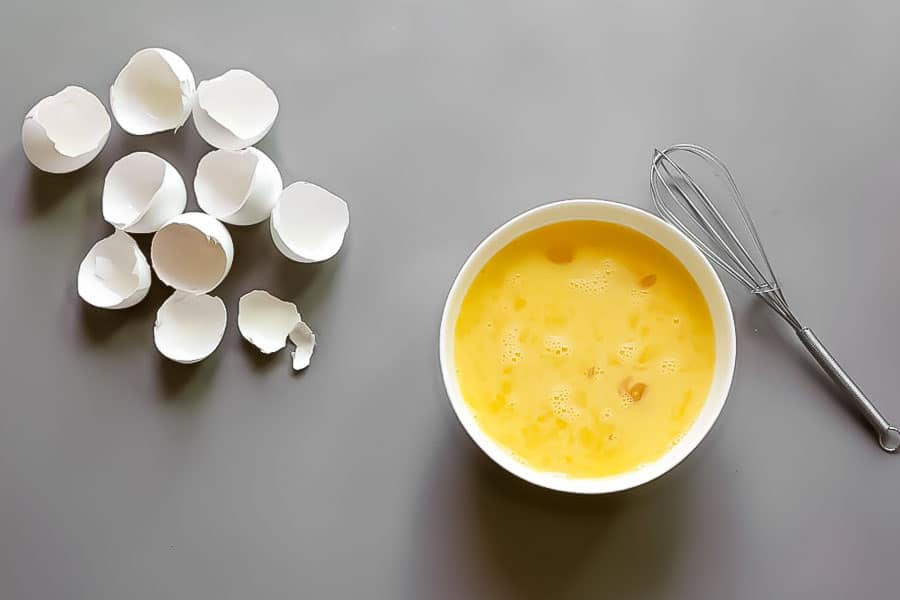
point(724, 363)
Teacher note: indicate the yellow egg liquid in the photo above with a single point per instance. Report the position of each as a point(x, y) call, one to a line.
point(584, 348)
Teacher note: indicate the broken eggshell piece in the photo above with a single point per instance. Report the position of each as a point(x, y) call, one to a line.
point(265, 321)
point(189, 327)
point(114, 273)
point(308, 223)
point(237, 186)
point(153, 92)
point(142, 192)
point(65, 131)
point(234, 110)
point(192, 252)
point(304, 341)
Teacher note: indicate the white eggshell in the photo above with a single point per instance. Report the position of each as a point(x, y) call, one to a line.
point(237, 186)
point(114, 273)
point(265, 321)
point(304, 341)
point(308, 223)
point(234, 110)
point(153, 92)
point(65, 131)
point(189, 327)
point(192, 252)
point(142, 192)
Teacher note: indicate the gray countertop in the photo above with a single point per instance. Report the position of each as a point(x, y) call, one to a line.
point(125, 477)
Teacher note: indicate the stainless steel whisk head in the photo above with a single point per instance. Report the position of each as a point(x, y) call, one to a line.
point(728, 237)
point(682, 202)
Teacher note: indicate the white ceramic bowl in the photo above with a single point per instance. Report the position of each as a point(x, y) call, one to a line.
point(676, 243)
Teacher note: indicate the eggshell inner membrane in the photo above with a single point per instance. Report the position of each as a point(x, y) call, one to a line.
point(64, 132)
point(114, 273)
point(130, 186)
point(223, 181)
point(148, 96)
point(265, 321)
point(142, 192)
point(240, 102)
point(187, 259)
point(74, 120)
point(304, 341)
point(189, 327)
point(310, 221)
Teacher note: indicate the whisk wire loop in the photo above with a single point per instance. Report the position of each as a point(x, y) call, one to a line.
point(674, 190)
point(685, 204)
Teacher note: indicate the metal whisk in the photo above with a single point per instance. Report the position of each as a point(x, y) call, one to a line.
point(681, 201)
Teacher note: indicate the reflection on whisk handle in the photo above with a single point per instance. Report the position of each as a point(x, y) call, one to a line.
point(888, 435)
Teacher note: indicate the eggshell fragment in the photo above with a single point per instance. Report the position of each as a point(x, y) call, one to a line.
point(153, 92)
point(304, 341)
point(265, 321)
point(114, 274)
point(192, 252)
point(65, 131)
point(234, 110)
point(308, 223)
point(237, 186)
point(189, 327)
point(142, 192)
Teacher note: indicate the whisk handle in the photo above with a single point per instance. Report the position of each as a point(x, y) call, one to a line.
point(888, 435)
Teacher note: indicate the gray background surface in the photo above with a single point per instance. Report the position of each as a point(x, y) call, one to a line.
point(125, 477)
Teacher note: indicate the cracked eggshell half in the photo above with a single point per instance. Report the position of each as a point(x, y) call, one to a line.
point(114, 273)
point(234, 110)
point(192, 252)
point(142, 192)
point(189, 327)
point(304, 341)
point(265, 321)
point(308, 223)
point(65, 131)
point(153, 92)
point(237, 186)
